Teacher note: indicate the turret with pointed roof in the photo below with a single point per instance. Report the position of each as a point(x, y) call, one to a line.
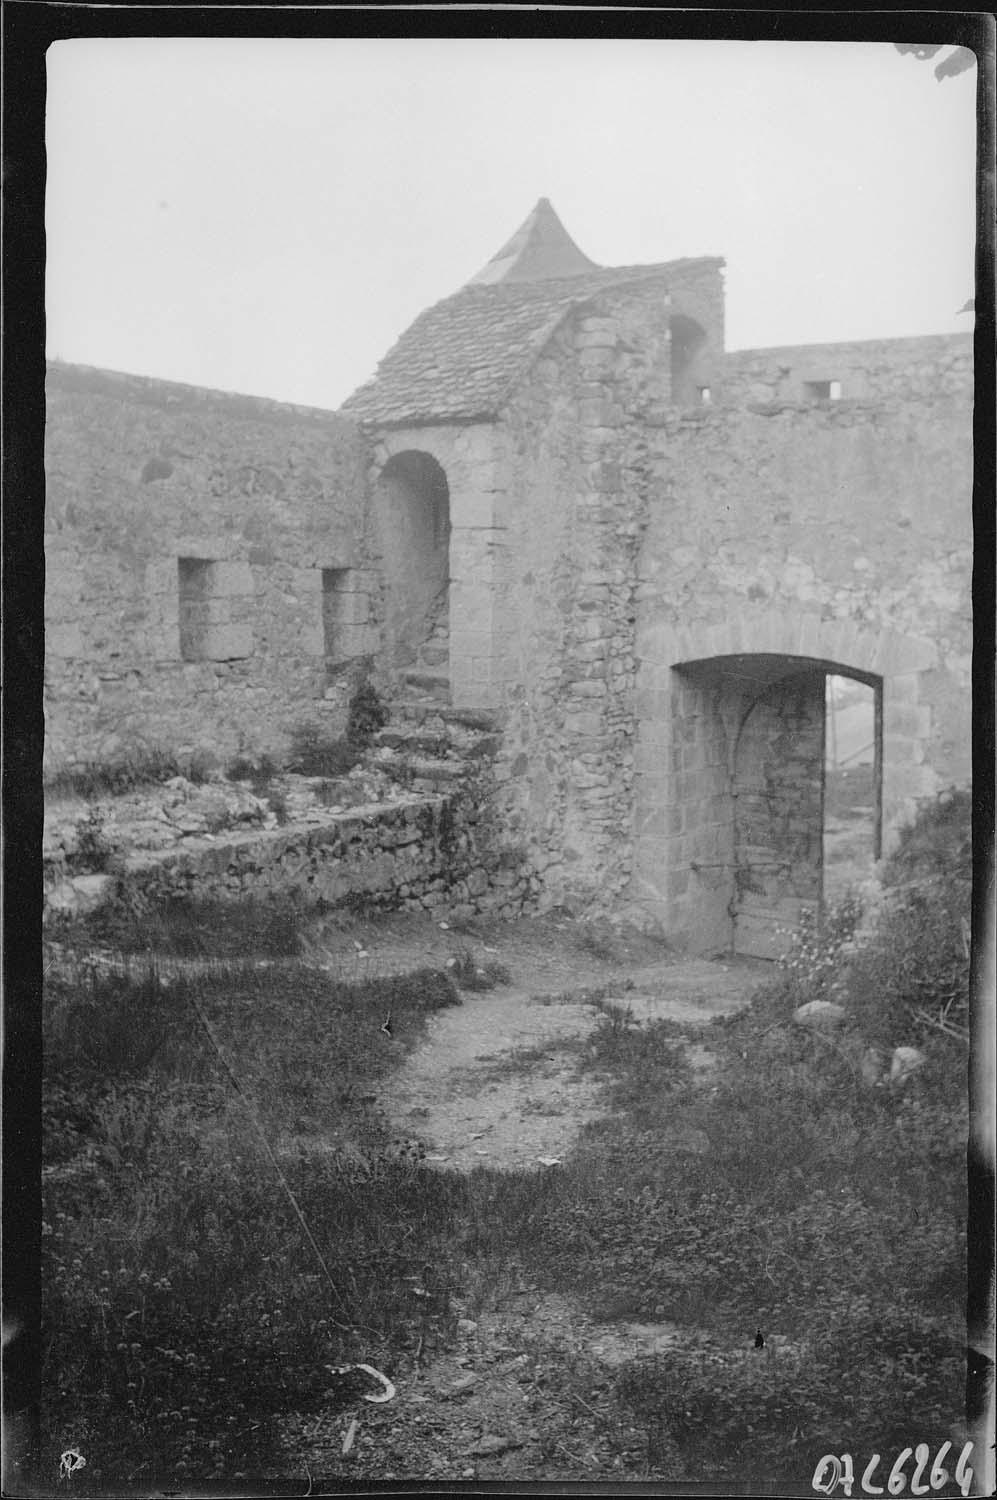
point(540, 249)
point(460, 359)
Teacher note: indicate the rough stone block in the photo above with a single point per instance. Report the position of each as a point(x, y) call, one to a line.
point(231, 642)
point(899, 654)
point(473, 507)
point(230, 579)
point(904, 719)
point(903, 688)
point(63, 640)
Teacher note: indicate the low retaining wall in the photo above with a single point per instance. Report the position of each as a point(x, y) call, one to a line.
point(421, 853)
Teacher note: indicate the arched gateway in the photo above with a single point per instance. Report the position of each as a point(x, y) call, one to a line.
point(730, 790)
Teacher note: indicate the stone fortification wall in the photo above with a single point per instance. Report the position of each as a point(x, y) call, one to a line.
point(422, 853)
point(207, 569)
point(853, 512)
point(878, 369)
point(635, 527)
point(838, 531)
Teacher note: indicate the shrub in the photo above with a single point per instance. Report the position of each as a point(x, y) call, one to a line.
point(937, 843)
point(93, 853)
point(814, 962)
point(259, 771)
point(201, 766)
point(910, 981)
point(314, 753)
point(367, 714)
point(277, 802)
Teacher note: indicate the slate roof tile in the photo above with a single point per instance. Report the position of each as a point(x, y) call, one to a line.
point(461, 358)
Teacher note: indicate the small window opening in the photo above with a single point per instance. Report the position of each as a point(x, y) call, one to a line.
point(196, 592)
point(346, 614)
point(215, 602)
point(334, 608)
point(705, 395)
point(823, 390)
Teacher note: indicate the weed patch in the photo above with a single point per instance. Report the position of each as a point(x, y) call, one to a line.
point(189, 927)
point(469, 974)
point(185, 1311)
point(762, 1415)
point(315, 753)
point(111, 778)
point(93, 852)
point(366, 715)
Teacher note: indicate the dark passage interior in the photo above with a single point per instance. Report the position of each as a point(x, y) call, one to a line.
point(412, 510)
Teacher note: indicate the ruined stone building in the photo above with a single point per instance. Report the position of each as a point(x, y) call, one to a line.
point(560, 501)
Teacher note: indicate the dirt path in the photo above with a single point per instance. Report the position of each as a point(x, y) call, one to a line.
point(493, 1084)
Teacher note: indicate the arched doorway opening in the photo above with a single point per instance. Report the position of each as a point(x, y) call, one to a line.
point(412, 510)
point(750, 737)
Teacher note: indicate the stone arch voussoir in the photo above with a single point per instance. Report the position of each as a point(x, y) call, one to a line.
point(788, 631)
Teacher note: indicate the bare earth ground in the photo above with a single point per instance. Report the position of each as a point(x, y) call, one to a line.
point(489, 1087)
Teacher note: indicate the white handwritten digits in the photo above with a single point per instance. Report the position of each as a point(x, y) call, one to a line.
point(833, 1471)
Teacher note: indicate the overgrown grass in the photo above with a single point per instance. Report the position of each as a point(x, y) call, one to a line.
point(470, 974)
point(910, 982)
point(258, 770)
point(827, 1213)
point(316, 753)
point(191, 927)
point(783, 1192)
point(185, 1310)
point(123, 774)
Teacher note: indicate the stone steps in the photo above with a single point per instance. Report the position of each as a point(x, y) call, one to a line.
point(414, 739)
point(434, 652)
point(421, 772)
point(432, 684)
point(418, 710)
point(429, 744)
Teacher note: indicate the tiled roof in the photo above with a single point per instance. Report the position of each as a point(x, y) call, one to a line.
point(460, 359)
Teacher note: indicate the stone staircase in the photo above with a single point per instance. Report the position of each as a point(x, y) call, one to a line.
point(428, 677)
point(432, 746)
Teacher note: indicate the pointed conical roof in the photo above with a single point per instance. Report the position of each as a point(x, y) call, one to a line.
point(540, 249)
point(460, 358)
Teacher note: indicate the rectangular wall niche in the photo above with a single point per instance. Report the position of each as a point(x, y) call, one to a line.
point(345, 614)
point(823, 390)
point(215, 604)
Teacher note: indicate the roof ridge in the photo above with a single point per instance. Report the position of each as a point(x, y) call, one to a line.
point(466, 352)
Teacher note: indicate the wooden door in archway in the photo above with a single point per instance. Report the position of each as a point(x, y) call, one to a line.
point(778, 785)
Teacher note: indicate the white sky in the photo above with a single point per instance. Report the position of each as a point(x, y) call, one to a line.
point(267, 216)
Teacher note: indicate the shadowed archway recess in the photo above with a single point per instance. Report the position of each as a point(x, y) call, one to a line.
point(731, 834)
point(412, 514)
